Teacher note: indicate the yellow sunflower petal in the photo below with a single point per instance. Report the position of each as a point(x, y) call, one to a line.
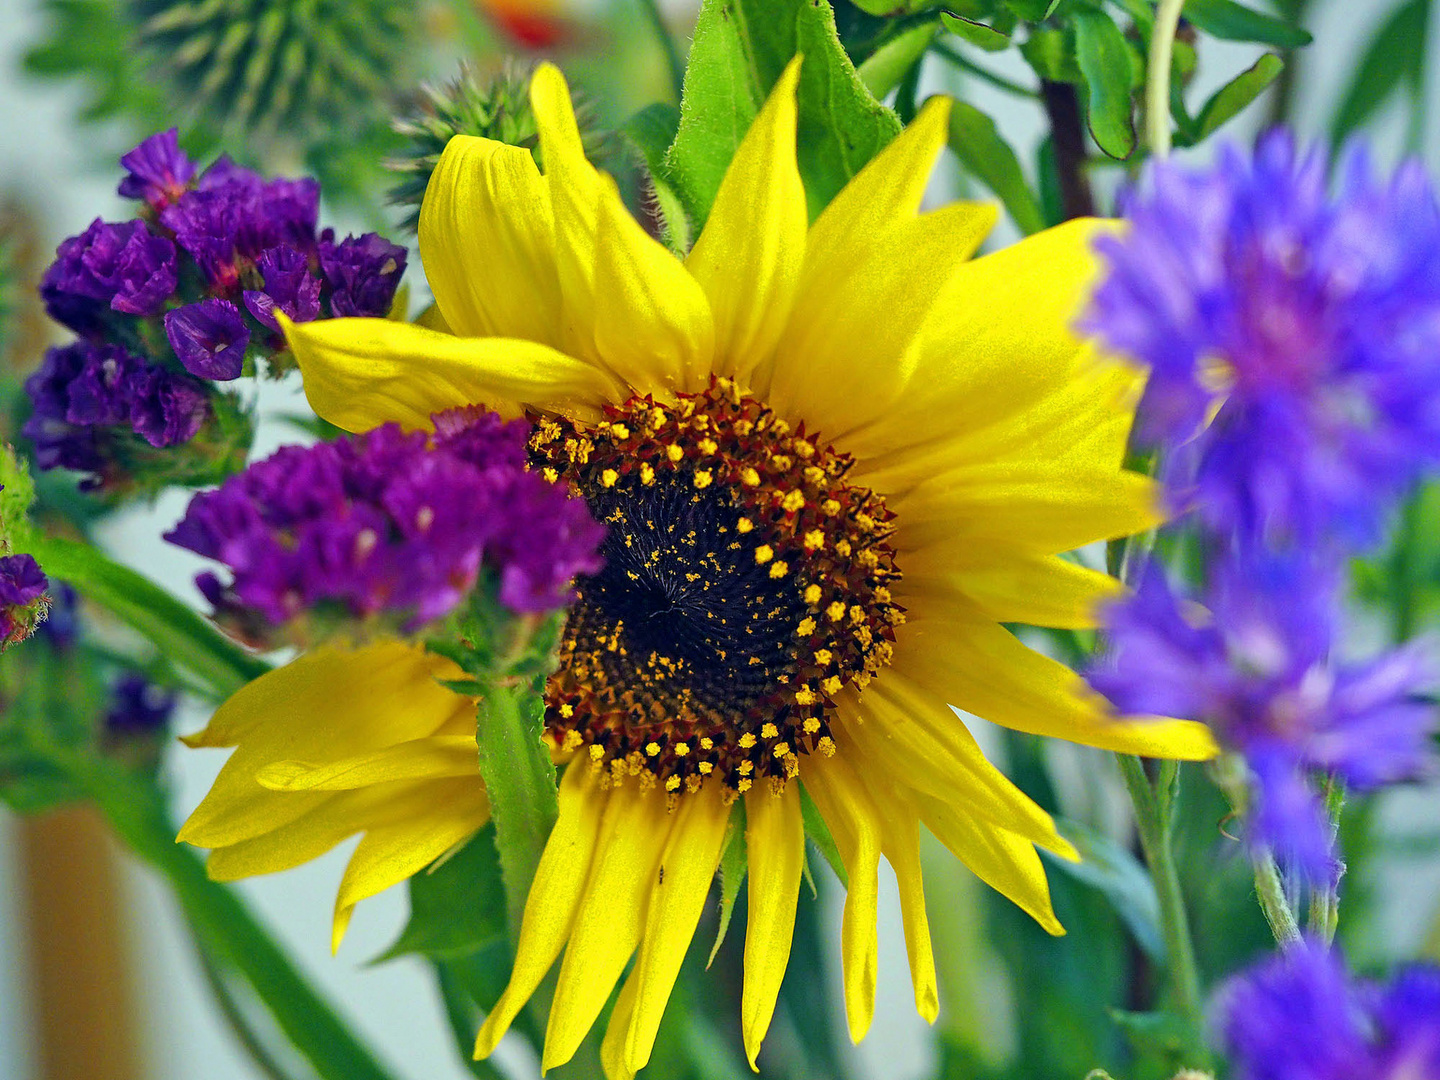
point(854, 822)
point(554, 898)
point(613, 1055)
point(361, 373)
point(629, 304)
point(901, 846)
point(1039, 590)
point(436, 757)
point(318, 708)
point(610, 918)
point(775, 841)
point(982, 668)
point(1004, 861)
point(749, 255)
point(452, 811)
point(691, 857)
point(487, 240)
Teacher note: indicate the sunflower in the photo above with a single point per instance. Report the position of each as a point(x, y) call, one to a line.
point(832, 459)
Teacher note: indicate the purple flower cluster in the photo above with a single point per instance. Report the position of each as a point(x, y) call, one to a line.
point(1256, 663)
point(203, 268)
point(89, 398)
point(23, 601)
point(1300, 1016)
point(389, 524)
point(138, 706)
point(1311, 321)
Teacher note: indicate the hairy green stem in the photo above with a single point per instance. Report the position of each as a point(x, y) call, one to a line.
point(223, 924)
point(652, 11)
point(1270, 891)
point(1157, 78)
point(1153, 803)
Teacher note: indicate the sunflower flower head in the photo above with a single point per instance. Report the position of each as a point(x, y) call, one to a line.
point(1304, 320)
point(826, 481)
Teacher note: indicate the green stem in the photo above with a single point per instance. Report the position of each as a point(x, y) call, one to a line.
point(1157, 80)
point(224, 925)
point(1270, 891)
point(652, 11)
point(1325, 903)
point(964, 63)
point(234, 1014)
point(1153, 803)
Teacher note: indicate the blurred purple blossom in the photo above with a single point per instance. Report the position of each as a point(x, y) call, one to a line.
point(159, 172)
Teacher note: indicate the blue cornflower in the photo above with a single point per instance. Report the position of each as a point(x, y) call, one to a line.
point(1256, 664)
point(1306, 322)
point(1301, 1016)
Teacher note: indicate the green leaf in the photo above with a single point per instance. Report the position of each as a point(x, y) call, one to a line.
point(1227, 102)
point(1157, 1033)
point(1230, 21)
point(886, 66)
point(976, 33)
point(819, 834)
point(1050, 55)
point(733, 862)
point(176, 630)
point(985, 154)
point(17, 492)
point(1104, 61)
point(1395, 57)
point(1106, 866)
point(740, 48)
point(651, 131)
point(457, 905)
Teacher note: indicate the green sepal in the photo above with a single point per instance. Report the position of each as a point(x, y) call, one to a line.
point(985, 155)
point(651, 132)
point(740, 49)
point(1105, 62)
point(457, 905)
point(734, 860)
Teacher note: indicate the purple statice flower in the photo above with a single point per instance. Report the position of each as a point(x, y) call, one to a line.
point(124, 268)
point(1301, 1016)
point(85, 397)
point(23, 601)
point(1257, 667)
point(363, 273)
point(289, 286)
point(391, 525)
point(209, 338)
point(138, 706)
point(157, 171)
point(1309, 319)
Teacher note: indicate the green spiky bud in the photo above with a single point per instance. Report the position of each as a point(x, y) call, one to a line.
point(497, 107)
point(271, 66)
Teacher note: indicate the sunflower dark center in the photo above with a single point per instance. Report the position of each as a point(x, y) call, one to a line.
point(746, 584)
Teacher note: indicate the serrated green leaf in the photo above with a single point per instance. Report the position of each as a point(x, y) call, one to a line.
point(733, 864)
point(177, 631)
point(457, 906)
point(886, 66)
point(985, 155)
point(740, 48)
point(1230, 21)
point(1106, 866)
point(976, 33)
point(1104, 61)
point(1232, 98)
point(1395, 57)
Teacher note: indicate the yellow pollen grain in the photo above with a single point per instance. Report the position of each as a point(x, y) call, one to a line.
point(857, 614)
point(596, 751)
point(780, 569)
point(804, 448)
point(814, 540)
point(812, 594)
point(806, 627)
point(745, 768)
point(805, 696)
point(811, 726)
point(764, 553)
point(793, 501)
point(743, 786)
point(780, 462)
point(567, 710)
point(647, 474)
point(681, 749)
point(705, 768)
point(744, 427)
point(652, 748)
point(744, 525)
point(843, 549)
point(706, 743)
point(822, 657)
point(703, 478)
point(831, 507)
point(836, 611)
point(551, 475)
point(749, 477)
point(769, 730)
point(832, 685)
point(781, 750)
point(708, 446)
point(827, 746)
point(620, 431)
point(747, 740)
point(882, 595)
point(672, 783)
point(572, 741)
point(813, 474)
point(608, 478)
point(674, 453)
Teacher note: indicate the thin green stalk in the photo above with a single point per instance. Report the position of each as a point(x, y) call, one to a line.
point(224, 925)
point(1157, 81)
point(234, 1013)
point(1325, 903)
point(964, 63)
point(1153, 803)
point(1270, 891)
point(652, 11)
